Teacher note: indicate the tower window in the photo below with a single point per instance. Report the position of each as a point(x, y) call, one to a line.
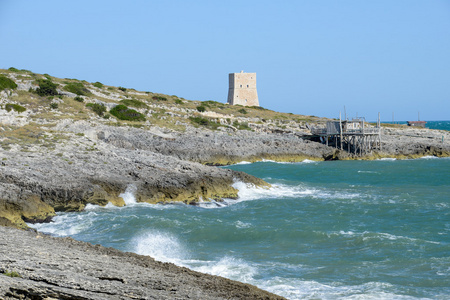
point(241, 85)
point(247, 85)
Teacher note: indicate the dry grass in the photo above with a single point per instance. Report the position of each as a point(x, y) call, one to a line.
point(69, 108)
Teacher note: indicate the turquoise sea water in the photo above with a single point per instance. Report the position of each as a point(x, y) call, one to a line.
point(325, 230)
point(441, 125)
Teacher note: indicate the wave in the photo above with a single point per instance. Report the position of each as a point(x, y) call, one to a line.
point(368, 236)
point(66, 224)
point(129, 195)
point(242, 163)
point(162, 246)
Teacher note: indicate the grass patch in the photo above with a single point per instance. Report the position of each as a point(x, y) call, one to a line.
point(78, 98)
point(99, 109)
point(243, 111)
point(159, 98)
point(77, 88)
point(11, 274)
point(204, 122)
point(122, 112)
point(178, 101)
point(134, 103)
point(241, 126)
point(16, 107)
point(6, 83)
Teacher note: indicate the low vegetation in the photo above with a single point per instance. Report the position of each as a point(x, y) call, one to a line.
point(134, 103)
point(201, 108)
point(77, 88)
point(122, 112)
point(168, 111)
point(204, 122)
point(98, 84)
point(99, 109)
point(159, 98)
point(46, 88)
point(16, 107)
point(11, 274)
point(6, 83)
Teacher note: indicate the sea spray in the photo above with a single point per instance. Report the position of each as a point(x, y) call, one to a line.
point(129, 196)
point(328, 230)
point(162, 246)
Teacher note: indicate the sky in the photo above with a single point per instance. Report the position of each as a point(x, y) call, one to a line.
point(311, 57)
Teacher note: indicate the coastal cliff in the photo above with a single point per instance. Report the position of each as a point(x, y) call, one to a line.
point(66, 143)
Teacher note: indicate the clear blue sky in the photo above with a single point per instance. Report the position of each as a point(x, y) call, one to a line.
point(311, 57)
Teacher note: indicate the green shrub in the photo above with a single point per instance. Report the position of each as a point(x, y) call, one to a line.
point(201, 108)
point(178, 101)
point(98, 84)
point(13, 69)
point(122, 112)
point(122, 89)
point(241, 126)
point(6, 83)
point(203, 122)
point(16, 107)
point(53, 105)
point(11, 274)
point(212, 102)
point(99, 109)
point(77, 88)
point(159, 98)
point(78, 98)
point(134, 103)
point(46, 88)
point(243, 111)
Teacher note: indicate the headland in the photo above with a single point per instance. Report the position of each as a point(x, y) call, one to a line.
point(66, 143)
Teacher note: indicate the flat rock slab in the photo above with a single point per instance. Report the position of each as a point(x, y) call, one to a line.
point(63, 268)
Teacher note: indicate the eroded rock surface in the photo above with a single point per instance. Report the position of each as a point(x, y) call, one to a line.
point(62, 268)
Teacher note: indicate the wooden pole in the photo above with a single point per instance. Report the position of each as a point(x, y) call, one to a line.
point(340, 127)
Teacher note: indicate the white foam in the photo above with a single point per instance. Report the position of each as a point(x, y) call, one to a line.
point(251, 192)
point(243, 163)
point(162, 246)
point(308, 161)
point(429, 157)
point(295, 288)
point(240, 224)
point(129, 195)
point(66, 224)
point(92, 207)
point(229, 267)
point(387, 159)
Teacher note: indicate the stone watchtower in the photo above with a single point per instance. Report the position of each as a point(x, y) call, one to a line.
point(242, 89)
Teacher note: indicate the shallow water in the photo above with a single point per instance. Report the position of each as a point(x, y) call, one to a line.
point(327, 230)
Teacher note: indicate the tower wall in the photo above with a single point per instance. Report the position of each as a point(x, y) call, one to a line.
point(242, 89)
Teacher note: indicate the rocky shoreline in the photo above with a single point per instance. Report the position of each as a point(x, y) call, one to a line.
point(63, 159)
point(37, 266)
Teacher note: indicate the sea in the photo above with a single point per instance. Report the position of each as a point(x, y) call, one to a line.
point(324, 230)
